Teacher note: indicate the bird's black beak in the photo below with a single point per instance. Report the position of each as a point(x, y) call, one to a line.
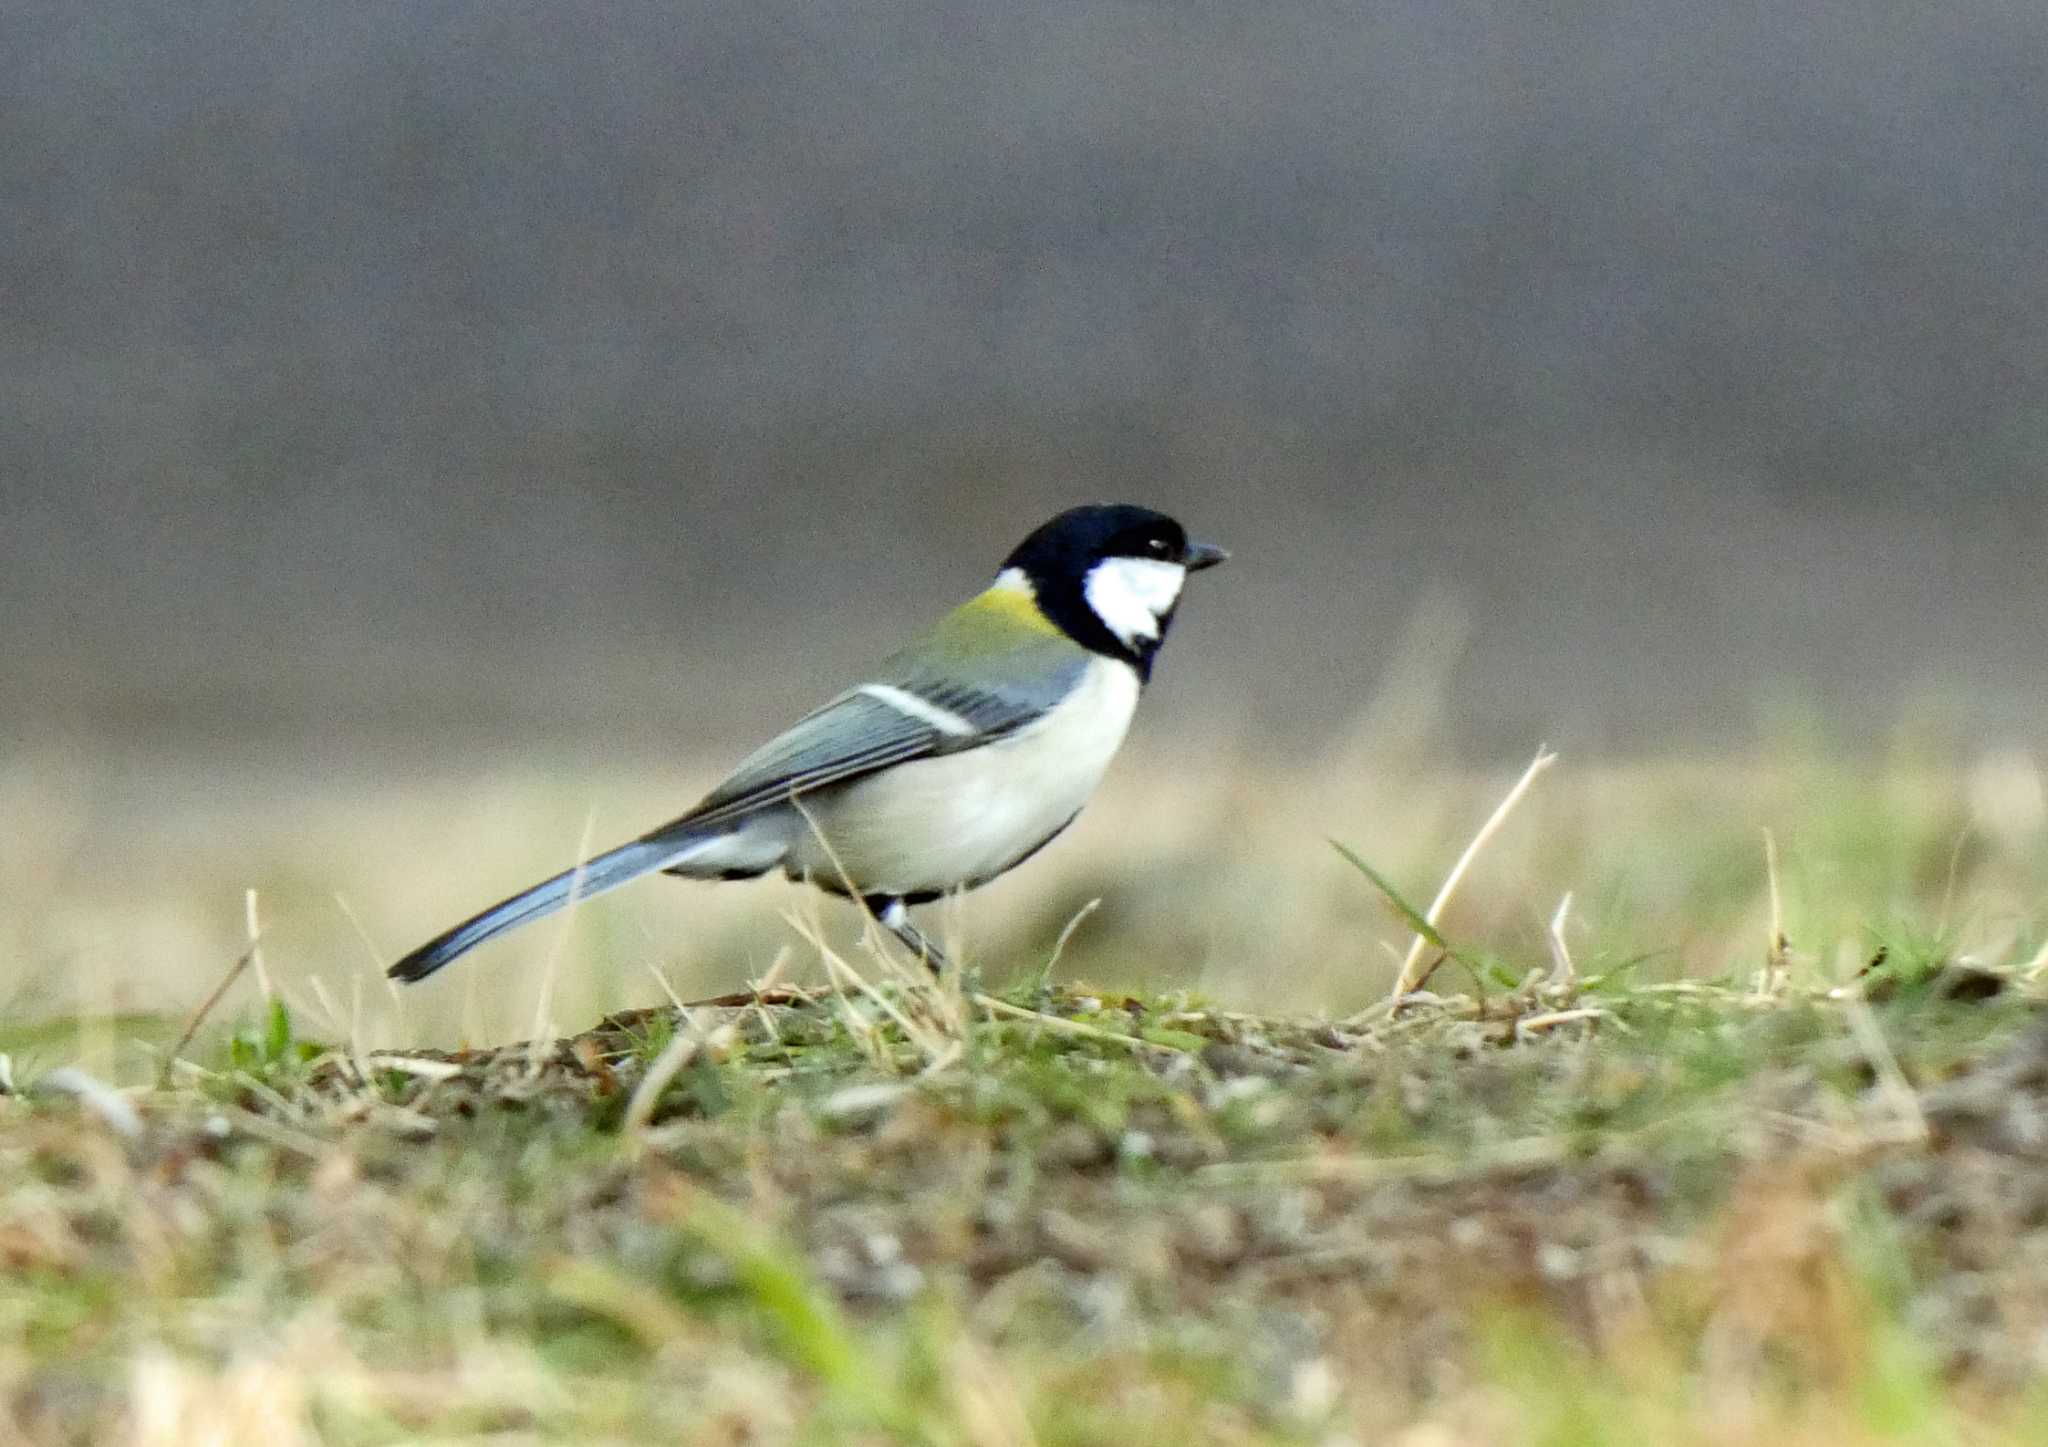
point(1202, 555)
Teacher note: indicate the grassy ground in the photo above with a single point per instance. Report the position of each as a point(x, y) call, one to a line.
point(1640, 1170)
point(1566, 1214)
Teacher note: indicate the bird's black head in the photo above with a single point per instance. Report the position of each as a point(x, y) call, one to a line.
point(1110, 576)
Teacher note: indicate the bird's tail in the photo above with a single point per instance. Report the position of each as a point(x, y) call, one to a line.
point(607, 871)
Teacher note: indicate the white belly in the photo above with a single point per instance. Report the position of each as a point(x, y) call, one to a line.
point(960, 819)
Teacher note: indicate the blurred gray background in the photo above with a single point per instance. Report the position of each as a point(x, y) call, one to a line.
point(445, 376)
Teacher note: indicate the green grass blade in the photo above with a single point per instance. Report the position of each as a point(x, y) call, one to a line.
point(1410, 915)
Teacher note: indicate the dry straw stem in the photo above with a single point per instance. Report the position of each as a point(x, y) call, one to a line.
point(667, 989)
point(678, 1054)
point(1523, 1154)
point(206, 1008)
point(268, 1127)
point(551, 967)
point(1777, 947)
point(870, 926)
point(378, 960)
point(414, 1065)
point(1909, 1121)
point(667, 1066)
point(1404, 978)
point(1529, 1025)
point(1059, 946)
point(1560, 952)
point(1065, 1026)
point(255, 934)
point(943, 1041)
point(939, 1045)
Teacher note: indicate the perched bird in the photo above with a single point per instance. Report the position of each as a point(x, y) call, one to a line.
point(961, 756)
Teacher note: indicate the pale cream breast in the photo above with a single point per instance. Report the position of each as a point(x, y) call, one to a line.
point(961, 818)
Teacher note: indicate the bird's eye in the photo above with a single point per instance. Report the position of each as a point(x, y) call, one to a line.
point(1158, 546)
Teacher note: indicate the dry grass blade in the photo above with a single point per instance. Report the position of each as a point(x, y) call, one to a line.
point(1560, 953)
point(1059, 946)
point(206, 1008)
point(1069, 1027)
point(1777, 948)
point(544, 1001)
point(275, 1131)
point(336, 1019)
point(666, 988)
point(1529, 1153)
point(1909, 1121)
point(677, 1055)
point(254, 931)
point(941, 1041)
point(937, 1047)
point(662, 1073)
point(1426, 934)
point(378, 959)
point(413, 1065)
point(1550, 1019)
point(915, 980)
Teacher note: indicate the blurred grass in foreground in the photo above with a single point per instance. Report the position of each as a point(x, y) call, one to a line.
point(1696, 1215)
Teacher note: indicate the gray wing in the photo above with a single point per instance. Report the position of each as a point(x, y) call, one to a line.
point(858, 733)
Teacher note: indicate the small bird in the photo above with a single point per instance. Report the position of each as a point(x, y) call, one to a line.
point(961, 756)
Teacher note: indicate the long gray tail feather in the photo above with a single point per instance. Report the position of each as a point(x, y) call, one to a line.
point(607, 871)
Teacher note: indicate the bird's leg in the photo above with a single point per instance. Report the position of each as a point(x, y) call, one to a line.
point(894, 916)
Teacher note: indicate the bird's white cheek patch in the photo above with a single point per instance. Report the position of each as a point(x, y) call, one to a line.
point(1131, 595)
